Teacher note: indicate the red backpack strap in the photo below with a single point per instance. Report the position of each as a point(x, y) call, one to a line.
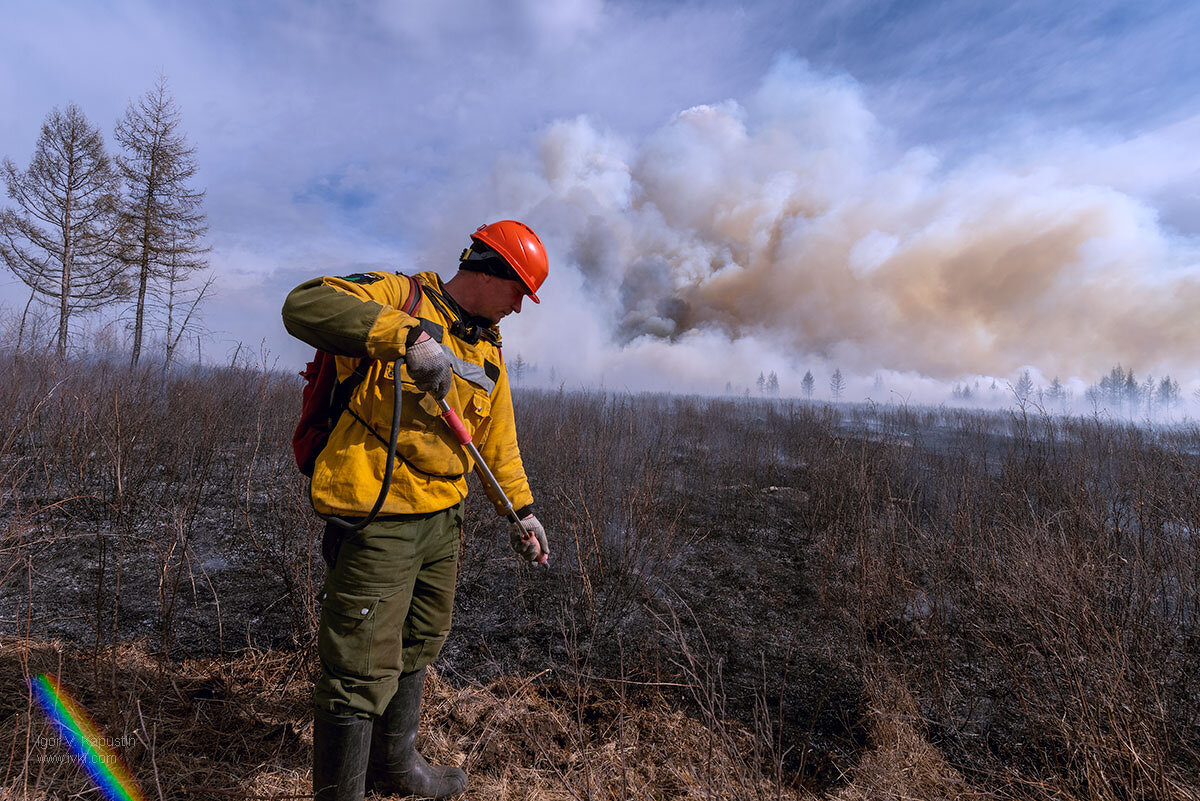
point(414, 296)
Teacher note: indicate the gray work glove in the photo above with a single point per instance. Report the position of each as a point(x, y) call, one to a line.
point(428, 366)
point(529, 540)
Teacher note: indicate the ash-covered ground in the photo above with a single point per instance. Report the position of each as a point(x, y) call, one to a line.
point(771, 562)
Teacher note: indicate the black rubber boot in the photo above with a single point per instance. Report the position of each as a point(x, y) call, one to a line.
point(341, 748)
point(396, 767)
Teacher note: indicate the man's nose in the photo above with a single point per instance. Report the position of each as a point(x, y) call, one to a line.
point(517, 306)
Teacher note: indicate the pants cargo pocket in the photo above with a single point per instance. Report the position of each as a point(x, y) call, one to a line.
point(347, 632)
point(389, 622)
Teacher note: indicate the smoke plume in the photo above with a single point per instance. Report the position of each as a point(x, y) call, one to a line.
point(794, 222)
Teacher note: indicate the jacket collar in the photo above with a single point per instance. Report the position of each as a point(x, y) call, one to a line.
point(468, 327)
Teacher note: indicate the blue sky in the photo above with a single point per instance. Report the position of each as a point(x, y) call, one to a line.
point(334, 137)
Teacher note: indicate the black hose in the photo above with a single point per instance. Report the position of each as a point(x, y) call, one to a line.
point(389, 466)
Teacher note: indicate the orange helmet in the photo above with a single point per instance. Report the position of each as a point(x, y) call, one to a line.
point(518, 245)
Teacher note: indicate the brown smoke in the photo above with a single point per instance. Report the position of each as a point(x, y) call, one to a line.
point(791, 220)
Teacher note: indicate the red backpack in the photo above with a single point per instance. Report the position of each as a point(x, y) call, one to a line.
point(324, 398)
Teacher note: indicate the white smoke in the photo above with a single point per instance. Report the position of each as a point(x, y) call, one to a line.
point(788, 233)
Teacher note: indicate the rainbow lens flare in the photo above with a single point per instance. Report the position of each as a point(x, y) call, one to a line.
point(80, 734)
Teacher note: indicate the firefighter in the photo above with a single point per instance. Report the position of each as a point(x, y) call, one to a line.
point(386, 604)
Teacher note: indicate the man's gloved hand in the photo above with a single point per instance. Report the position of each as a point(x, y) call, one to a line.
point(427, 364)
point(529, 539)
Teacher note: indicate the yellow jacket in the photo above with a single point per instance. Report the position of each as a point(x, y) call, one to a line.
point(358, 317)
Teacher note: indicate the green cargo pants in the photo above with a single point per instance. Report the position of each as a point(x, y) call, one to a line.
point(385, 608)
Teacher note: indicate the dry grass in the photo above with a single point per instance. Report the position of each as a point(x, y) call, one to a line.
point(748, 599)
point(239, 728)
point(901, 764)
point(216, 726)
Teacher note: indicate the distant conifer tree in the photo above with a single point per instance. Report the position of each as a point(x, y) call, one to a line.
point(837, 385)
point(1168, 393)
point(1133, 391)
point(517, 368)
point(1056, 392)
point(1024, 387)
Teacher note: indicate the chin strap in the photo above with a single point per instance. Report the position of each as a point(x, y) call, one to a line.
point(467, 327)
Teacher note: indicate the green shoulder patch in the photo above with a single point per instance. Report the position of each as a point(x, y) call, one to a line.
point(362, 278)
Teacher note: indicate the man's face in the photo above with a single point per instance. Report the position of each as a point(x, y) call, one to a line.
point(503, 298)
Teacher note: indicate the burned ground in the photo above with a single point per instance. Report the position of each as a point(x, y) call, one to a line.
point(752, 596)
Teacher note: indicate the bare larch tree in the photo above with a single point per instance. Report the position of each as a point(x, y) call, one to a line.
point(161, 217)
point(61, 241)
point(178, 300)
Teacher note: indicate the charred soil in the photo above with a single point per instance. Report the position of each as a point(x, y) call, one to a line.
point(746, 598)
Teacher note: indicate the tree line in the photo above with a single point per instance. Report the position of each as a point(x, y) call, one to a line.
point(1122, 388)
point(768, 384)
point(1118, 390)
point(88, 231)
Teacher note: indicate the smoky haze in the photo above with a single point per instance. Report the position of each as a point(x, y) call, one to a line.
point(792, 229)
